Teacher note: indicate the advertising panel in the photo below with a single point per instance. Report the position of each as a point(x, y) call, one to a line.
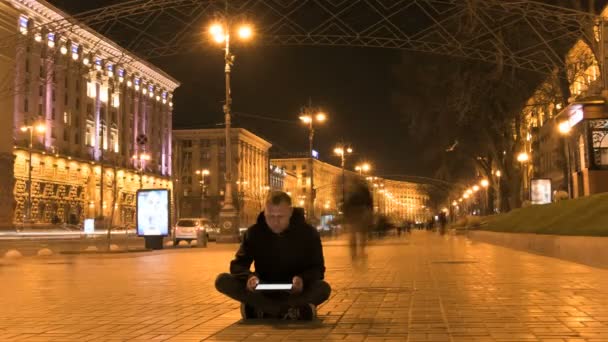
point(89, 226)
point(153, 212)
point(540, 191)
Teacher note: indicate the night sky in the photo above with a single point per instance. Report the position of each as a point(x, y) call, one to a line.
point(355, 86)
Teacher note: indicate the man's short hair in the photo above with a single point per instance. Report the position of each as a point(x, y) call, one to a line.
point(277, 198)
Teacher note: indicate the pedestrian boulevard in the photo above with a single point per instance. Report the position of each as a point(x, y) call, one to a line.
point(422, 287)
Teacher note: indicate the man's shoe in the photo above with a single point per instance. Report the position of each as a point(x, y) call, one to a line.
point(306, 312)
point(249, 312)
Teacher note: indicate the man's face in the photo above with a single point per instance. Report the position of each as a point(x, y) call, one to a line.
point(277, 216)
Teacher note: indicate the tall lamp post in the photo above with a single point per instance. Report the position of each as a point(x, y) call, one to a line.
point(498, 205)
point(141, 159)
point(485, 184)
point(38, 128)
point(342, 152)
point(523, 158)
point(308, 117)
point(203, 173)
point(564, 129)
point(220, 32)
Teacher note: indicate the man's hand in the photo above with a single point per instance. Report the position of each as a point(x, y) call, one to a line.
point(252, 282)
point(298, 285)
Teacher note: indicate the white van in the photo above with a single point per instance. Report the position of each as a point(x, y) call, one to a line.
point(187, 229)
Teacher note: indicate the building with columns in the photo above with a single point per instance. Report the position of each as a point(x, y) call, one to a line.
point(200, 166)
point(328, 184)
point(107, 119)
point(398, 199)
point(402, 201)
point(282, 180)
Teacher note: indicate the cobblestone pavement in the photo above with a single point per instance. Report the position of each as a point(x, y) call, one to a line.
point(421, 288)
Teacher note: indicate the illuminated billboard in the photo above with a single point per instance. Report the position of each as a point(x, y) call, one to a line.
point(153, 212)
point(540, 191)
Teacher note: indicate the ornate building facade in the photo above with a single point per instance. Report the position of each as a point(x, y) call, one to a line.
point(397, 199)
point(201, 193)
point(282, 180)
point(97, 118)
point(575, 162)
point(328, 183)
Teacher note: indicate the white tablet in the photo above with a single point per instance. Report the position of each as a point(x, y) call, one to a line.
point(263, 287)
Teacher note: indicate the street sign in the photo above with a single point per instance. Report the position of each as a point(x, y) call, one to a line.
point(142, 139)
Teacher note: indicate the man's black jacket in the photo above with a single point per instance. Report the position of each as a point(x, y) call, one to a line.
point(278, 258)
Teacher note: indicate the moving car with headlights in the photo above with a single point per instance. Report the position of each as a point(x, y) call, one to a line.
point(187, 229)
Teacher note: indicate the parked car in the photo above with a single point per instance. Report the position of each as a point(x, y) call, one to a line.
point(187, 229)
point(212, 232)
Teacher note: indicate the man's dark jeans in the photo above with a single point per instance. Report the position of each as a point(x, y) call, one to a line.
point(271, 302)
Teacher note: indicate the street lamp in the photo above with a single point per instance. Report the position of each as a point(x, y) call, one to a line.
point(141, 158)
point(221, 34)
point(342, 151)
point(564, 130)
point(523, 158)
point(39, 128)
point(361, 168)
point(485, 184)
point(498, 175)
point(203, 173)
point(308, 117)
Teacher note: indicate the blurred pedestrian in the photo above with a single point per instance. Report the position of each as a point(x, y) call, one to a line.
point(358, 212)
point(443, 220)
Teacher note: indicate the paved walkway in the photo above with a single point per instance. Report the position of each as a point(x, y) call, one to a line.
point(425, 288)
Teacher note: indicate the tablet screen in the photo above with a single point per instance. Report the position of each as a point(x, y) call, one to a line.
point(273, 287)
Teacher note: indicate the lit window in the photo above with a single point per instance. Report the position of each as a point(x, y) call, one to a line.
point(91, 90)
point(110, 70)
point(97, 63)
point(115, 100)
point(103, 93)
point(51, 40)
point(74, 51)
point(23, 24)
point(90, 135)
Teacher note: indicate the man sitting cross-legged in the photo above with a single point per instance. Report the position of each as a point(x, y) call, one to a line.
point(284, 249)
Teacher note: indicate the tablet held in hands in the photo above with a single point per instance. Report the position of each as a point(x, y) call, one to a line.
point(271, 287)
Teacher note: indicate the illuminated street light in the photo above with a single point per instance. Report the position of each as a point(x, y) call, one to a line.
point(484, 183)
point(203, 173)
point(141, 159)
point(342, 152)
point(363, 168)
point(245, 32)
point(38, 128)
point(309, 117)
point(220, 32)
point(564, 127)
point(523, 157)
